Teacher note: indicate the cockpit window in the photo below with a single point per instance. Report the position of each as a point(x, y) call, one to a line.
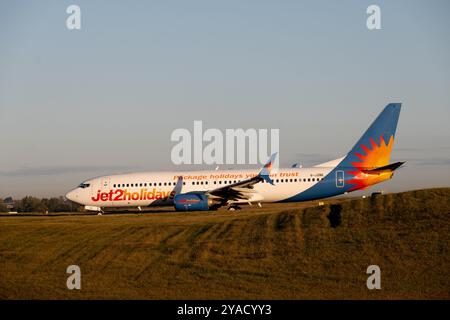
point(84, 185)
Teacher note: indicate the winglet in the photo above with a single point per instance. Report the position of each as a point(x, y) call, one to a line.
point(265, 171)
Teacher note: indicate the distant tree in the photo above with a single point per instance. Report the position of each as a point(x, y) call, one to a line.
point(51, 204)
point(31, 204)
point(3, 207)
point(60, 204)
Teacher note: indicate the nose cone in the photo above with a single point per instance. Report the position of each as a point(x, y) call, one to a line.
point(72, 195)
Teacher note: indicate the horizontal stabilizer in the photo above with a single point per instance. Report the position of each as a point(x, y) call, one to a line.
point(389, 168)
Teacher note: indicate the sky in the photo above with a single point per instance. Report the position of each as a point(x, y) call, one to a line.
point(105, 99)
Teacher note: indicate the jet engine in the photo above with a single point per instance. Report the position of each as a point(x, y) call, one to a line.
point(193, 202)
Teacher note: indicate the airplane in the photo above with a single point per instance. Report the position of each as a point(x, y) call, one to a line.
point(365, 165)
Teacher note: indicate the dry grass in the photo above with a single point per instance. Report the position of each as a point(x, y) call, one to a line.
point(289, 251)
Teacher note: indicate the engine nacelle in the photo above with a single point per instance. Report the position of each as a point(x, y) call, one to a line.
point(192, 202)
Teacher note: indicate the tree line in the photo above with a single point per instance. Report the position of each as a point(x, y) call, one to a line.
point(34, 204)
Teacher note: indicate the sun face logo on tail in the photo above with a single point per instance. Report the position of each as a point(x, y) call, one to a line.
point(375, 156)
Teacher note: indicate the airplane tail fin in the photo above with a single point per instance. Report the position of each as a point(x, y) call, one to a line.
point(367, 163)
point(374, 148)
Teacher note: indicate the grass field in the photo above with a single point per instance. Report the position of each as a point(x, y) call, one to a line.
point(282, 251)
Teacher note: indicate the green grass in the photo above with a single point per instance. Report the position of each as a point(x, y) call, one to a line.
point(289, 251)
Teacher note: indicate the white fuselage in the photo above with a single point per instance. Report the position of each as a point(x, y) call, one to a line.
point(158, 188)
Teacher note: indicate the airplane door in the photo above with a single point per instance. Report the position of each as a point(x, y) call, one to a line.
point(105, 188)
point(105, 184)
point(102, 185)
point(340, 179)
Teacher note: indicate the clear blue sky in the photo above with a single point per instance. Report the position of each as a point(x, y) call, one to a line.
point(105, 99)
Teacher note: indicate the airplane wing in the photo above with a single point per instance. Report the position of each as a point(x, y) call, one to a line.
point(242, 190)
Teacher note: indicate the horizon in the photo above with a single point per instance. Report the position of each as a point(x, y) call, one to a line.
point(75, 104)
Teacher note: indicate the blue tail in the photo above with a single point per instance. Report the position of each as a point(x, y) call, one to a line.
point(380, 133)
point(373, 150)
